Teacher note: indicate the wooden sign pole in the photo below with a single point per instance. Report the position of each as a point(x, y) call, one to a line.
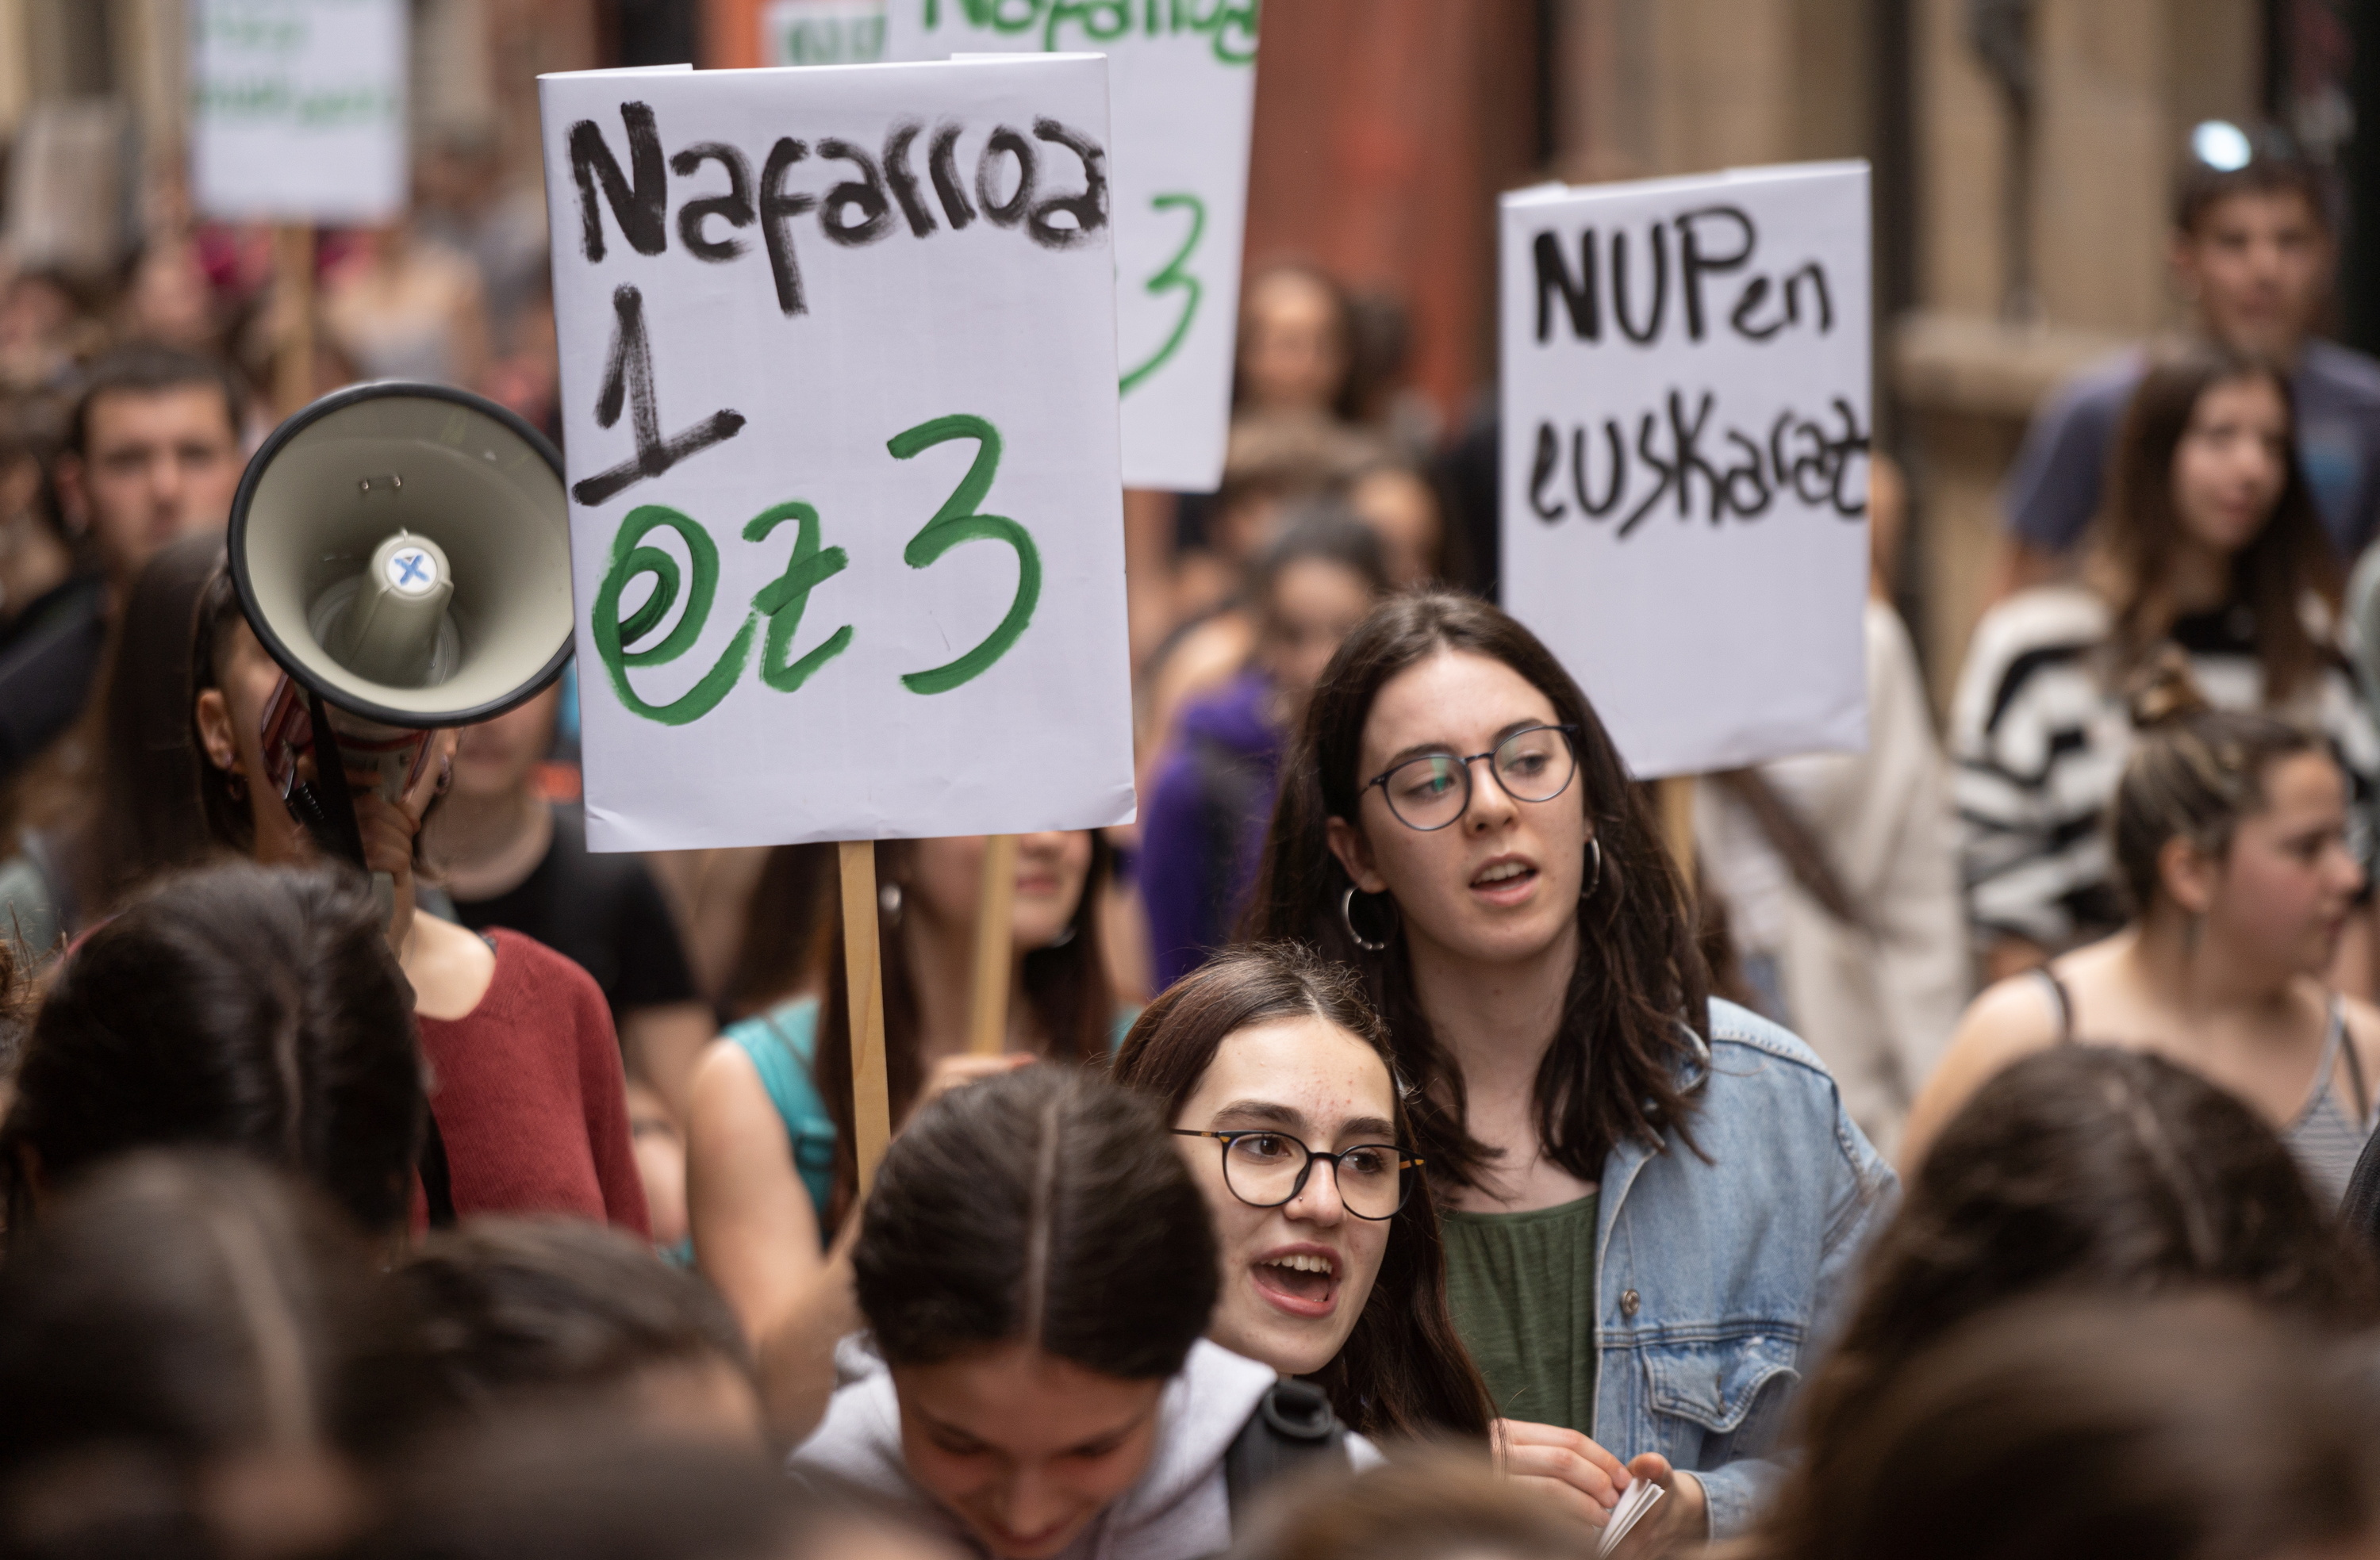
point(1678, 825)
point(872, 1115)
point(293, 264)
point(995, 953)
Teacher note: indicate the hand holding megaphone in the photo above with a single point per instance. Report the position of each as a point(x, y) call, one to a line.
point(403, 553)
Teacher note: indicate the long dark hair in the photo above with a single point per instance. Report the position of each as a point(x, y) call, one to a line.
point(1640, 982)
point(134, 813)
point(1066, 987)
point(2088, 1169)
point(779, 951)
point(2140, 530)
point(251, 1008)
point(1404, 1370)
point(1045, 1204)
point(222, 796)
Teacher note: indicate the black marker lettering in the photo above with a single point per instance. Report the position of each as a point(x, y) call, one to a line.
point(903, 181)
point(1724, 499)
point(943, 163)
point(628, 378)
point(778, 208)
point(1089, 209)
point(1011, 212)
point(1580, 299)
point(867, 192)
point(1756, 292)
point(1659, 239)
point(1694, 263)
point(641, 210)
point(1541, 471)
point(1612, 489)
point(1669, 474)
point(735, 208)
point(1816, 276)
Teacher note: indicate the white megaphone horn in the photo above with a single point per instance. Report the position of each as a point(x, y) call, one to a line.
point(403, 551)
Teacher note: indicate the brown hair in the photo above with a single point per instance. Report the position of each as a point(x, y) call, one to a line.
point(1640, 982)
point(2140, 531)
point(222, 803)
point(119, 792)
point(506, 1311)
point(191, 1302)
point(2193, 774)
point(2068, 1429)
point(1436, 1505)
point(1044, 1205)
point(1066, 987)
point(2201, 188)
point(2093, 1170)
point(778, 953)
point(1404, 1370)
point(248, 1007)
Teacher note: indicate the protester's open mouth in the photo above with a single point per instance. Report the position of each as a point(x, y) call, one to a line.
point(1303, 1281)
point(1505, 881)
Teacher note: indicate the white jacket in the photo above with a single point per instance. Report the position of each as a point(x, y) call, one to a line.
point(1177, 1510)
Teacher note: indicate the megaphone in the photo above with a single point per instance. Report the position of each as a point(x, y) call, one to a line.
point(403, 551)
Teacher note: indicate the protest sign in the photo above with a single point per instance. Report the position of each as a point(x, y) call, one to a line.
point(822, 32)
point(1685, 436)
point(298, 110)
point(840, 406)
point(1182, 81)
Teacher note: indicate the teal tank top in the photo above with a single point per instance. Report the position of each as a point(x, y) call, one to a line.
point(783, 1044)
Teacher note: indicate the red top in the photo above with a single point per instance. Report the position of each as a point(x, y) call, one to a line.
point(529, 1096)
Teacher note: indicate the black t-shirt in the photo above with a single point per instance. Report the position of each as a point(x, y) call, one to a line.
point(605, 911)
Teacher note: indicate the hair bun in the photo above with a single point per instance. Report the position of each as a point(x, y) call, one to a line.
point(2165, 691)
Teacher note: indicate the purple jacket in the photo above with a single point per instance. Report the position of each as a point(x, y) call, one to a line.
point(1205, 823)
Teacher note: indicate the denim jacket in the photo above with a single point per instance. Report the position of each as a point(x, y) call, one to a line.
point(1718, 1284)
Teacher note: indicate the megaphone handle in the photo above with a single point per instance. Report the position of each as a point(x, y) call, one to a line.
point(338, 801)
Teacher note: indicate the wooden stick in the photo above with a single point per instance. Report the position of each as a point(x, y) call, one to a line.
point(1677, 823)
point(995, 953)
point(871, 1109)
point(293, 263)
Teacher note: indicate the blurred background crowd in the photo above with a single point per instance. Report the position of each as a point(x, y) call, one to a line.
point(2127, 266)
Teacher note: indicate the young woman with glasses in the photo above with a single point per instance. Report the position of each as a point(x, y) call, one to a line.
point(1275, 1076)
point(1280, 1083)
point(1653, 1197)
point(1036, 1268)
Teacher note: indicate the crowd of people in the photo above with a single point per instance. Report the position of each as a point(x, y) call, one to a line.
point(1400, 1148)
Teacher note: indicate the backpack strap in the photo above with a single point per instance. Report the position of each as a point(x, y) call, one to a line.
point(1291, 1430)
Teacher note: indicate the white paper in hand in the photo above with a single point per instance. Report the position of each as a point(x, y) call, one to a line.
point(1641, 1496)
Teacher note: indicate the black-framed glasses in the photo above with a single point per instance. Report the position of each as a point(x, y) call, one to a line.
point(1534, 764)
point(1266, 1168)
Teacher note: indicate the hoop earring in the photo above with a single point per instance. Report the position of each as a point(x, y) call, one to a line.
point(1595, 879)
point(1347, 919)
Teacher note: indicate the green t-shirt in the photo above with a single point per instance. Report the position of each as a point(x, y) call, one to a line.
point(1521, 1287)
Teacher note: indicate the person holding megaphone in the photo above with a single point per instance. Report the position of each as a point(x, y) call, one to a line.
point(398, 566)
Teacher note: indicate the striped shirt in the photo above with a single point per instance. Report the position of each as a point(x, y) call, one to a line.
point(2039, 740)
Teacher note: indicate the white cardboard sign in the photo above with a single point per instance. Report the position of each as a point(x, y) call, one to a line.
point(1686, 420)
point(838, 368)
point(298, 110)
point(1184, 83)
